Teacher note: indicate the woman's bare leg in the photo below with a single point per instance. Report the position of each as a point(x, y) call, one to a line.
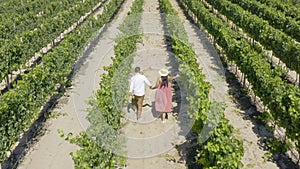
point(163, 116)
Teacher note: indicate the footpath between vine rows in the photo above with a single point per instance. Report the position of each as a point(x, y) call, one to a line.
point(226, 88)
point(50, 150)
point(237, 112)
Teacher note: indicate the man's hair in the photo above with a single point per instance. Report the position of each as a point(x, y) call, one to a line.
point(137, 69)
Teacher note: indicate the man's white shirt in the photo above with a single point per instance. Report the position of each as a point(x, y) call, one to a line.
point(137, 84)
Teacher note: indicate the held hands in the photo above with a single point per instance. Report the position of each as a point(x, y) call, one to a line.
point(152, 87)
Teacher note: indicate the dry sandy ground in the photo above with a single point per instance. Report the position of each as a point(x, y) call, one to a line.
point(52, 151)
point(150, 143)
point(212, 68)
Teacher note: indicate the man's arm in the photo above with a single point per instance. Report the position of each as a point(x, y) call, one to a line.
point(131, 87)
point(131, 90)
point(147, 82)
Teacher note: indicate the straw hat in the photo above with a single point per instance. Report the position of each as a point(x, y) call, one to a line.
point(163, 72)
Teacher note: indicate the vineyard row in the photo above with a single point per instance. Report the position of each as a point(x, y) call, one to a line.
point(282, 99)
point(20, 107)
point(221, 149)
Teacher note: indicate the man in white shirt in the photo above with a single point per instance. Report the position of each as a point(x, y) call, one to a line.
point(137, 89)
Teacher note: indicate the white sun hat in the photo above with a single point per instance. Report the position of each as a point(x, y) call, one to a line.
point(163, 72)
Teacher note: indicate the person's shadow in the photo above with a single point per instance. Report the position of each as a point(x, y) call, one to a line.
point(155, 114)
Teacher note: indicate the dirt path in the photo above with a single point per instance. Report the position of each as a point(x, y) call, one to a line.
point(51, 151)
point(150, 143)
point(212, 67)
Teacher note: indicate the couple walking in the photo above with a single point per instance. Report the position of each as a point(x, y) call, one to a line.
point(163, 96)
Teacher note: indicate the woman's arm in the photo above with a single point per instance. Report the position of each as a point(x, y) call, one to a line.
point(170, 78)
point(158, 81)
